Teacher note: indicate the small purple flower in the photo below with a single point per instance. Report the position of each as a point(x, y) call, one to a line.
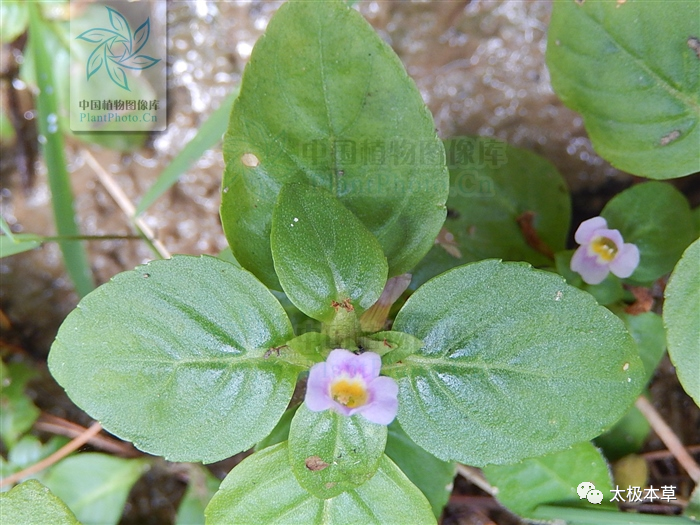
point(350, 384)
point(602, 251)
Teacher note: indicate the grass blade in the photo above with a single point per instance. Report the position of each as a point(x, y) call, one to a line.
point(574, 516)
point(208, 135)
point(74, 253)
point(18, 243)
point(6, 229)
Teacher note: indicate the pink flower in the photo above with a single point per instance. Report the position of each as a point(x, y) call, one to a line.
point(602, 251)
point(350, 384)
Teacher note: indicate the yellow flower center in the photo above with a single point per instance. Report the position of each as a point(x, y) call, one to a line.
point(605, 248)
point(351, 393)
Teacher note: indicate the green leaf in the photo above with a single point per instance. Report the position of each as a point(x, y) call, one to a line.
point(323, 254)
point(74, 253)
point(626, 437)
point(201, 488)
point(552, 478)
point(208, 135)
point(492, 186)
point(608, 292)
point(647, 330)
point(339, 114)
point(330, 453)
point(681, 314)
point(310, 347)
point(26, 452)
point(692, 511)
point(262, 489)
point(5, 228)
point(14, 17)
point(655, 217)
point(18, 411)
point(301, 322)
point(281, 431)
point(8, 136)
point(171, 356)
point(438, 261)
point(515, 364)
point(393, 346)
point(640, 102)
point(95, 486)
point(20, 243)
point(431, 475)
point(31, 503)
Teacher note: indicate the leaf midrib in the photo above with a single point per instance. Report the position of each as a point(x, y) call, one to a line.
point(429, 365)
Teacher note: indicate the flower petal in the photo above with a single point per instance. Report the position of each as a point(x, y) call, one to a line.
point(318, 396)
point(369, 365)
point(614, 235)
point(588, 267)
point(342, 409)
point(384, 404)
point(626, 261)
point(343, 362)
point(587, 229)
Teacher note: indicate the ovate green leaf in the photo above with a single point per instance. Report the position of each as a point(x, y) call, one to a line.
point(95, 486)
point(626, 437)
point(331, 453)
point(681, 315)
point(18, 412)
point(515, 363)
point(172, 356)
point(25, 452)
point(655, 217)
point(281, 431)
point(647, 330)
point(503, 202)
point(431, 475)
point(31, 503)
point(323, 254)
point(325, 102)
point(201, 488)
point(553, 478)
point(262, 489)
point(633, 70)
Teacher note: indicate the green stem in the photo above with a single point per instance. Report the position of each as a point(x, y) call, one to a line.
point(74, 253)
point(574, 516)
point(59, 238)
point(343, 330)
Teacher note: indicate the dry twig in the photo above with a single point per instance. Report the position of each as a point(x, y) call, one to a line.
point(62, 452)
point(125, 204)
point(669, 438)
